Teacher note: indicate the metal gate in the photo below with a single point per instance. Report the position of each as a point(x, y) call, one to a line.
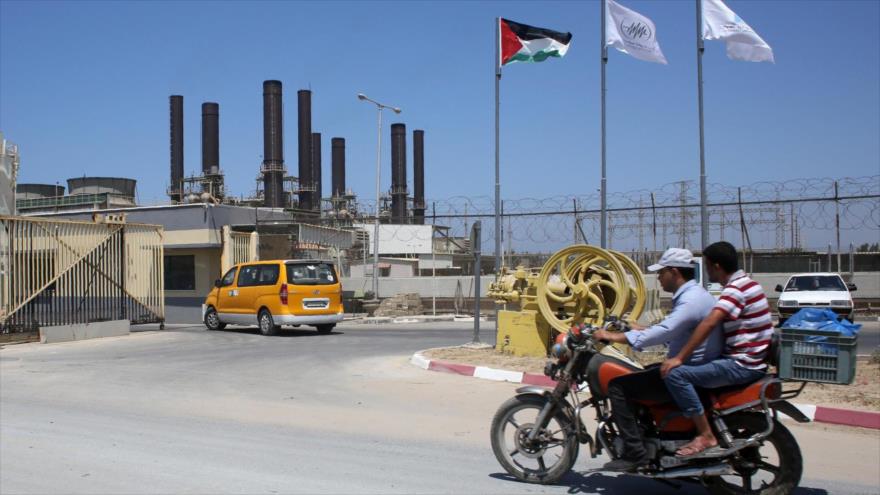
point(55, 272)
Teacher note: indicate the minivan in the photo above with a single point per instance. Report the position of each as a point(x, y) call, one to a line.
point(275, 293)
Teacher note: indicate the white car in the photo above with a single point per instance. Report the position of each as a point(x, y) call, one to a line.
point(815, 290)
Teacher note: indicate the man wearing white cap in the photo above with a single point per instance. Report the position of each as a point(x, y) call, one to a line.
point(691, 303)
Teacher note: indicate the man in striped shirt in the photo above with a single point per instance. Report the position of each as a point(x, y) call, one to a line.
point(745, 314)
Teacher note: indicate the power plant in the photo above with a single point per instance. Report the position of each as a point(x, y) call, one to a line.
point(302, 195)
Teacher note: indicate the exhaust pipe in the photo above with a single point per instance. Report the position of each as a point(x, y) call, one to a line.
point(714, 470)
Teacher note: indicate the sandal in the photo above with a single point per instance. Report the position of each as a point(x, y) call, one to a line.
point(693, 449)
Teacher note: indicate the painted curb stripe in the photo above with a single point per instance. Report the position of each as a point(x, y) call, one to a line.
point(498, 375)
point(420, 361)
point(458, 369)
point(809, 411)
point(864, 419)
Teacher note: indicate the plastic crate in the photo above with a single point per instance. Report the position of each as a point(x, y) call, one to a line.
point(831, 360)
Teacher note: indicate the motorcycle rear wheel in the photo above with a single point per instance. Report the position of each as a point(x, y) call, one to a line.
point(510, 427)
point(778, 456)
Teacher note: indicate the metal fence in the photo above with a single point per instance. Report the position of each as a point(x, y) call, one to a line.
point(787, 215)
point(65, 272)
point(241, 247)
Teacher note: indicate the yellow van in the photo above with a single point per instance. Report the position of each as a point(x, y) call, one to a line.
point(276, 293)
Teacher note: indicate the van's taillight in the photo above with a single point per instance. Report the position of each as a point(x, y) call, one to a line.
point(283, 294)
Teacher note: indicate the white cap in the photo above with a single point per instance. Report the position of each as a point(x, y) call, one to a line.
point(674, 257)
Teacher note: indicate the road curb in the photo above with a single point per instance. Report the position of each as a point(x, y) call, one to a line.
point(819, 414)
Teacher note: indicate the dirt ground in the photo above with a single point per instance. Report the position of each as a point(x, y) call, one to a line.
point(863, 394)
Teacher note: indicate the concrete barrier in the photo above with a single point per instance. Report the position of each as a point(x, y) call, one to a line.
point(83, 331)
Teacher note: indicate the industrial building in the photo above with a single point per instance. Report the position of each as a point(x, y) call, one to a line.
point(206, 229)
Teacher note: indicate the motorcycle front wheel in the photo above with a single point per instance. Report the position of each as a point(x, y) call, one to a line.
point(773, 467)
point(549, 457)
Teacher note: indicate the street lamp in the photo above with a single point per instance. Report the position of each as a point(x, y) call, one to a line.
point(379, 108)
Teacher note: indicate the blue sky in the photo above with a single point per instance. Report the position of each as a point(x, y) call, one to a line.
point(84, 90)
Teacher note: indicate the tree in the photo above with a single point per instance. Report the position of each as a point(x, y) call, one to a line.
point(868, 248)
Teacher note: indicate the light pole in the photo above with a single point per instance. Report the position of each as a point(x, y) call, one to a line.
point(379, 108)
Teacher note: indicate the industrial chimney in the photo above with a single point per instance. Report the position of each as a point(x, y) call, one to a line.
point(398, 173)
point(337, 148)
point(273, 146)
point(316, 170)
point(210, 138)
point(419, 176)
point(304, 121)
point(176, 104)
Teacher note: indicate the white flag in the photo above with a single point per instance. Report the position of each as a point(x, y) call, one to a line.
point(721, 23)
point(632, 33)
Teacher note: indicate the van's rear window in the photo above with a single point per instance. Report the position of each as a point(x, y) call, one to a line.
point(310, 274)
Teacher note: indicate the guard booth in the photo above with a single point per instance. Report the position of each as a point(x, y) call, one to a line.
point(62, 272)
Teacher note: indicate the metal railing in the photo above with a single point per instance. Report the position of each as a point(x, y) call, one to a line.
point(55, 272)
point(241, 247)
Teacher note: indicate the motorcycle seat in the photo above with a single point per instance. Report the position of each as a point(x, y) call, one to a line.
point(722, 398)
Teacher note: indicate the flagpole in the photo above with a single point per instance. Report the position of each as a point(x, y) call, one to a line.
point(604, 60)
point(497, 146)
point(704, 214)
point(497, 159)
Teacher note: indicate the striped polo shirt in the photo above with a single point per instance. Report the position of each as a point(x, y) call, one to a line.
point(747, 326)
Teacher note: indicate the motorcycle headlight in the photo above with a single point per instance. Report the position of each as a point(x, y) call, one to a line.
point(561, 352)
point(841, 302)
point(788, 304)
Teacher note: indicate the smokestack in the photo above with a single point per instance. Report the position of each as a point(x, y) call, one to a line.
point(398, 173)
point(176, 104)
point(210, 138)
point(337, 148)
point(304, 121)
point(273, 146)
point(316, 170)
point(419, 176)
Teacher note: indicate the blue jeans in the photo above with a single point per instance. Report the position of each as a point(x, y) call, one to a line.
point(681, 381)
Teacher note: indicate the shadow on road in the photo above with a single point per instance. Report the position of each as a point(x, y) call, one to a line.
point(283, 332)
point(600, 483)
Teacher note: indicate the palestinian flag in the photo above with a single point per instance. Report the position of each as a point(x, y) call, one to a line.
point(524, 43)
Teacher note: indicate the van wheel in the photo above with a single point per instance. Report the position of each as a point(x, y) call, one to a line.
point(212, 320)
point(325, 328)
point(267, 324)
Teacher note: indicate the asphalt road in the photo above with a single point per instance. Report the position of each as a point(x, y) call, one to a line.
point(190, 411)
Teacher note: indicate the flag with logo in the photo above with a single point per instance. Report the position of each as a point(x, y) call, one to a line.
point(743, 43)
point(631, 33)
point(524, 43)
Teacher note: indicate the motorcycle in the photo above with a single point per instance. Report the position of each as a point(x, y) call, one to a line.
point(536, 434)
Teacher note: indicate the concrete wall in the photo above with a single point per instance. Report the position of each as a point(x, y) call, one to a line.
point(398, 269)
point(445, 286)
point(438, 261)
point(83, 331)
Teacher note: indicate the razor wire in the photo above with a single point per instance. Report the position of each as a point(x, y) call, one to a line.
point(773, 215)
